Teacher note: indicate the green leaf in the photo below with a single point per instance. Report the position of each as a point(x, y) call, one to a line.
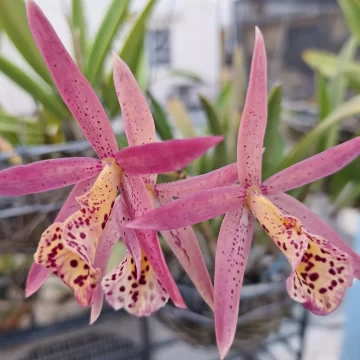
point(344, 111)
point(187, 75)
point(21, 130)
point(273, 142)
point(109, 27)
point(78, 26)
point(339, 180)
point(14, 22)
point(142, 71)
point(351, 10)
point(338, 87)
point(348, 195)
point(223, 100)
point(237, 101)
point(220, 157)
point(327, 64)
point(49, 101)
point(130, 54)
point(161, 119)
point(180, 117)
point(323, 101)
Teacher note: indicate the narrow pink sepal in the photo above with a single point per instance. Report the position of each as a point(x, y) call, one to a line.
point(254, 118)
point(163, 157)
point(315, 225)
point(192, 209)
point(108, 239)
point(71, 205)
point(138, 121)
point(138, 203)
point(96, 307)
point(128, 236)
point(232, 251)
point(72, 85)
point(186, 248)
point(47, 175)
point(224, 176)
point(313, 168)
point(38, 274)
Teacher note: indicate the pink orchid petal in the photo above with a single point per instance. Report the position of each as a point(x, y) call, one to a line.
point(163, 157)
point(138, 297)
point(138, 121)
point(128, 236)
point(72, 85)
point(254, 118)
point(47, 175)
point(185, 246)
point(232, 251)
point(97, 304)
point(108, 239)
point(38, 274)
point(192, 209)
point(313, 168)
point(315, 225)
point(138, 203)
point(224, 176)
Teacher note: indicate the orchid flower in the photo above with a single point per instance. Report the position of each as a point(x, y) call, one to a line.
point(323, 265)
point(69, 247)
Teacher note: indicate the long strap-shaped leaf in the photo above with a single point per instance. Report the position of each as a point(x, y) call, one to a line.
point(18, 76)
point(130, 54)
point(13, 21)
point(109, 27)
point(342, 112)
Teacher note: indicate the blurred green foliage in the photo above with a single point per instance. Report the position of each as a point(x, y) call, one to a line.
point(90, 55)
point(337, 75)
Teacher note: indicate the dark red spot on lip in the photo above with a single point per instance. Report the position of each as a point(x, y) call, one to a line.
point(313, 276)
point(82, 235)
point(122, 288)
point(322, 291)
point(73, 263)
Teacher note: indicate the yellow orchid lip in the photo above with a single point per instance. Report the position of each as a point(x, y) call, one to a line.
point(78, 236)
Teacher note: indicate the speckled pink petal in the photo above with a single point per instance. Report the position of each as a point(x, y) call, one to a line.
point(38, 274)
point(138, 203)
point(185, 246)
point(138, 297)
point(128, 236)
point(72, 85)
point(97, 304)
point(224, 176)
point(108, 239)
point(232, 251)
point(47, 175)
point(315, 225)
point(192, 209)
point(313, 168)
point(163, 157)
point(138, 121)
point(254, 118)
